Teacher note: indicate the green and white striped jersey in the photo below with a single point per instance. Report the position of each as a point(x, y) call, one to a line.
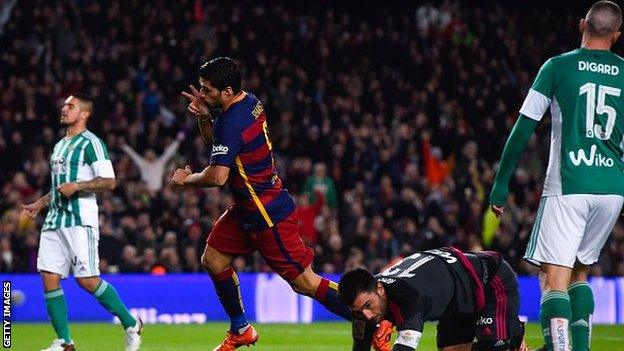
point(79, 158)
point(582, 88)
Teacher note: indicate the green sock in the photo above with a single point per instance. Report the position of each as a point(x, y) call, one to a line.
point(582, 302)
point(108, 297)
point(57, 311)
point(555, 312)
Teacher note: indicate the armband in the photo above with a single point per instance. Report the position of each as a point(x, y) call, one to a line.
point(409, 338)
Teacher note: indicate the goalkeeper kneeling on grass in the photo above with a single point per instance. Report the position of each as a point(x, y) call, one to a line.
point(470, 294)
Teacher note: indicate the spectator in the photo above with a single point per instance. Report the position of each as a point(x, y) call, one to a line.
point(130, 262)
point(320, 182)
point(8, 261)
point(436, 168)
point(308, 213)
point(152, 168)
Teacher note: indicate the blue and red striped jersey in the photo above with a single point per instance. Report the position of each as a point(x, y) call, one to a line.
point(241, 142)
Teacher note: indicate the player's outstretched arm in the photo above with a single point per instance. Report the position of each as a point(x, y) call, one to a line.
point(96, 184)
point(211, 176)
point(171, 149)
point(32, 210)
point(517, 142)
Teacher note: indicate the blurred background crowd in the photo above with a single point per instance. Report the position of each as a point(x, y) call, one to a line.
point(386, 124)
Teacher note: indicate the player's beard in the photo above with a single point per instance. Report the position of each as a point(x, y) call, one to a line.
point(66, 122)
point(383, 305)
point(215, 104)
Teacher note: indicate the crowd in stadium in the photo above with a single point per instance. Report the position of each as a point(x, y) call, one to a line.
point(387, 129)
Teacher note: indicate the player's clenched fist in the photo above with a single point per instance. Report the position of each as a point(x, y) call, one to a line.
point(180, 175)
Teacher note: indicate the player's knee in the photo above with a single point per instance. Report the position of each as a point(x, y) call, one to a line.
point(306, 283)
point(51, 281)
point(89, 284)
point(300, 288)
point(205, 262)
point(554, 280)
point(211, 264)
point(580, 273)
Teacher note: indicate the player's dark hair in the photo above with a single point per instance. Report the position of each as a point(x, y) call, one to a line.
point(222, 72)
point(603, 19)
point(355, 282)
point(86, 99)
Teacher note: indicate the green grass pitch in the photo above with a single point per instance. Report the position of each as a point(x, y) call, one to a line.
point(278, 337)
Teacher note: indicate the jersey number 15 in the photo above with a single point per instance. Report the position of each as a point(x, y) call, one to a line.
point(592, 108)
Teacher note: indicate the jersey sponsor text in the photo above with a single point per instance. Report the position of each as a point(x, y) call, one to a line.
point(593, 160)
point(219, 150)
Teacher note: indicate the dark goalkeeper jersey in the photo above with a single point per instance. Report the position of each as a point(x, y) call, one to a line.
point(428, 286)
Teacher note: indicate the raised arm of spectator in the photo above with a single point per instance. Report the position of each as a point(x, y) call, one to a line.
point(171, 149)
point(133, 155)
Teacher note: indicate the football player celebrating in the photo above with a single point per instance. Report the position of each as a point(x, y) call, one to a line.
point(263, 215)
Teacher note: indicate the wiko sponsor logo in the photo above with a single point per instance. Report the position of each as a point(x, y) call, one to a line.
point(594, 159)
point(151, 316)
point(219, 149)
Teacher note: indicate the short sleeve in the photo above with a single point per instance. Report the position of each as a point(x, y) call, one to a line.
point(96, 156)
point(226, 145)
point(406, 307)
point(540, 95)
point(103, 168)
point(545, 80)
point(412, 322)
point(95, 151)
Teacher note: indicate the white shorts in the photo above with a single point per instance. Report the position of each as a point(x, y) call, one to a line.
point(73, 249)
point(571, 227)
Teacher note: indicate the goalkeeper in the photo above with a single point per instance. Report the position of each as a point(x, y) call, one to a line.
point(471, 295)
